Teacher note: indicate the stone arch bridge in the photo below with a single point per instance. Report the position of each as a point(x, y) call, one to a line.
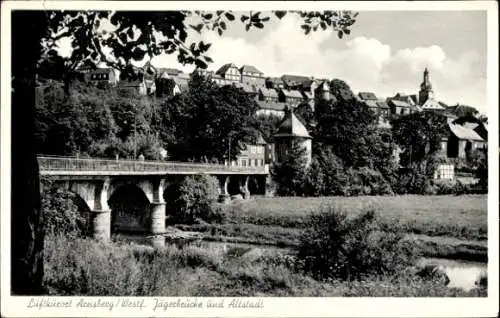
point(95, 181)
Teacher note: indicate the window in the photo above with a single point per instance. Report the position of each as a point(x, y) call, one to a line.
point(256, 162)
point(445, 171)
point(243, 162)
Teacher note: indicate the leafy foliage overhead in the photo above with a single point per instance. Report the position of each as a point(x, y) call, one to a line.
point(119, 37)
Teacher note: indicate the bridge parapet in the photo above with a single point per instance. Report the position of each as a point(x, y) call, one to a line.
point(73, 165)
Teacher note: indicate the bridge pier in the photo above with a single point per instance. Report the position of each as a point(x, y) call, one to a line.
point(224, 196)
point(243, 183)
point(101, 214)
point(157, 225)
point(101, 225)
point(158, 214)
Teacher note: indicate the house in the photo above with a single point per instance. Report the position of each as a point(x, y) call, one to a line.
point(168, 71)
point(462, 140)
point(267, 94)
point(229, 72)
point(274, 83)
point(250, 90)
point(252, 76)
point(254, 155)
point(378, 106)
point(291, 81)
point(384, 114)
point(399, 108)
point(432, 105)
point(290, 97)
point(409, 99)
point(271, 108)
point(99, 75)
point(292, 132)
point(462, 110)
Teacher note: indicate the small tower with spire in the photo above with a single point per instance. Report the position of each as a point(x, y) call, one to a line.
point(426, 91)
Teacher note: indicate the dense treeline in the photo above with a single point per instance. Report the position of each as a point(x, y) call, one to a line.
point(99, 122)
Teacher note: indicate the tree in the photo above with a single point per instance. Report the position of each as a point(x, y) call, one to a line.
point(348, 127)
point(268, 125)
point(340, 90)
point(210, 118)
point(419, 136)
point(88, 40)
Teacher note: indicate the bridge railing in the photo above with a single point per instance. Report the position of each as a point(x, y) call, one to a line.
point(50, 163)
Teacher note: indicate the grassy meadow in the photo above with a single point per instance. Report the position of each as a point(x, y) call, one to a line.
point(444, 226)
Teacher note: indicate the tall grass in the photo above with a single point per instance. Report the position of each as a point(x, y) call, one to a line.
point(86, 267)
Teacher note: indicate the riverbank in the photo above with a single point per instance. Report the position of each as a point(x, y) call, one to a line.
point(453, 227)
point(89, 268)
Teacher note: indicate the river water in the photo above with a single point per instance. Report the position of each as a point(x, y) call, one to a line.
point(462, 274)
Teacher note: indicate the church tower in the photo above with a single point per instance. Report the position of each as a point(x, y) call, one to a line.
point(426, 91)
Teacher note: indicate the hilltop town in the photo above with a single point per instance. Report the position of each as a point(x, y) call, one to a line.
point(292, 95)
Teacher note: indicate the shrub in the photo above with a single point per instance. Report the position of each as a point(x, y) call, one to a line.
point(195, 198)
point(335, 246)
point(60, 213)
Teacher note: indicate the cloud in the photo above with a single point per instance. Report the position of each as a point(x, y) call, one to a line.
point(366, 64)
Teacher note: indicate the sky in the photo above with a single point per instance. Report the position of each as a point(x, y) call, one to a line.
point(385, 53)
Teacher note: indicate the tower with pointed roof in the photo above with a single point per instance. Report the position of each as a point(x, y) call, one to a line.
point(426, 91)
point(291, 132)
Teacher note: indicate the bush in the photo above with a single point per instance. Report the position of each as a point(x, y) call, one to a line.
point(195, 198)
point(60, 213)
point(334, 246)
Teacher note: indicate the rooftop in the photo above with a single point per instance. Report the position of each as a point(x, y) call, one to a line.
point(268, 92)
point(292, 127)
point(291, 93)
point(462, 132)
point(250, 69)
point(367, 96)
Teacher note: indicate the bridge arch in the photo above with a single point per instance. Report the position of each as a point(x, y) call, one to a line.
point(130, 208)
point(79, 196)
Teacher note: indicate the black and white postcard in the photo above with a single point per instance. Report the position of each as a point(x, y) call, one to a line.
point(256, 159)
